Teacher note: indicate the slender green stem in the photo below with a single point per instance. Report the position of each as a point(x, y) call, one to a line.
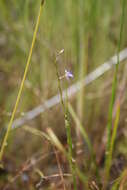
point(114, 133)
point(114, 86)
point(22, 83)
point(69, 138)
point(67, 125)
point(70, 153)
point(59, 85)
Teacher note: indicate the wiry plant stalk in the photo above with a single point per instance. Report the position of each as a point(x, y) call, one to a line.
point(22, 83)
point(114, 86)
point(69, 139)
point(114, 133)
point(67, 124)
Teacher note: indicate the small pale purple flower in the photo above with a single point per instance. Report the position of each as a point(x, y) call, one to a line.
point(68, 74)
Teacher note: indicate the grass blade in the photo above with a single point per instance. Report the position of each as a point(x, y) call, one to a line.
point(22, 83)
point(114, 85)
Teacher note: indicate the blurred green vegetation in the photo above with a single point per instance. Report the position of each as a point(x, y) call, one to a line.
point(88, 30)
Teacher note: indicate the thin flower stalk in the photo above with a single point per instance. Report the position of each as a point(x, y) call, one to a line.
point(69, 139)
point(22, 83)
point(67, 75)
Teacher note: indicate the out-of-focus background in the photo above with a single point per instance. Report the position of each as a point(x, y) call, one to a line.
point(88, 31)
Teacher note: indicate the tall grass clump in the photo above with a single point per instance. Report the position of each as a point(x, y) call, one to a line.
point(22, 82)
point(111, 136)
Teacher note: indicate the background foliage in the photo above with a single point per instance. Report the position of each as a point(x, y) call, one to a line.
point(88, 30)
